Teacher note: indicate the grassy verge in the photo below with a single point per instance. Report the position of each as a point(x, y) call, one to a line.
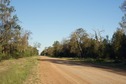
point(98, 62)
point(16, 71)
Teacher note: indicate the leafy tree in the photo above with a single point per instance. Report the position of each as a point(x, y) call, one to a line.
point(8, 25)
point(119, 43)
point(76, 41)
point(13, 40)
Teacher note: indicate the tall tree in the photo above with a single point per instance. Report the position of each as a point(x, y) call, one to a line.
point(8, 24)
point(13, 42)
point(76, 41)
point(119, 43)
point(123, 22)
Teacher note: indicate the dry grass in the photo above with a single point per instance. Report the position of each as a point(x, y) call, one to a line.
point(16, 71)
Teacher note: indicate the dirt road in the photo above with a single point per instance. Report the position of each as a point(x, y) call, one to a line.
point(57, 71)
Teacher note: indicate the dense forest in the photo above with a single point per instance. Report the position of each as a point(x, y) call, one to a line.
point(80, 44)
point(13, 39)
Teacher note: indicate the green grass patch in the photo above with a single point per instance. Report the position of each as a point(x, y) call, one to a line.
point(16, 71)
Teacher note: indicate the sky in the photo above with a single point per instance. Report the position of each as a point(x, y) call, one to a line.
point(51, 20)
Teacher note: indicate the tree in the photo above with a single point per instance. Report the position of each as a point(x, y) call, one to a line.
point(8, 26)
point(76, 41)
point(119, 43)
point(57, 48)
point(66, 48)
point(8, 21)
point(123, 22)
point(13, 41)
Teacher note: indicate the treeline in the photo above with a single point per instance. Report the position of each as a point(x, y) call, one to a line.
point(82, 45)
point(13, 39)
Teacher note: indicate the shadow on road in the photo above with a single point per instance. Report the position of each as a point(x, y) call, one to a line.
point(76, 63)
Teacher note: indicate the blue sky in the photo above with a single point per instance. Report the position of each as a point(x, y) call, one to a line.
point(51, 20)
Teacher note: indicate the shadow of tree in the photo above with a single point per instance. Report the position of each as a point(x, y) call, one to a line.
point(77, 63)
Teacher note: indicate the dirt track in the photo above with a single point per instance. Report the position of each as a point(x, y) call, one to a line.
point(56, 71)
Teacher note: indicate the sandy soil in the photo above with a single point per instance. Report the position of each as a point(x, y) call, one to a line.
point(57, 71)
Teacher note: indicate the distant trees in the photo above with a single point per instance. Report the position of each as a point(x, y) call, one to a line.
point(13, 39)
point(82, 45)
